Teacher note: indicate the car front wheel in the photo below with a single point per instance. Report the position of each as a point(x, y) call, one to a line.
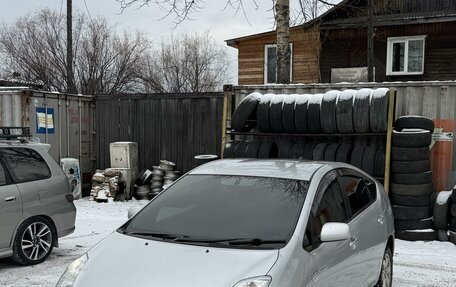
point(386, 273)
point(34, 241)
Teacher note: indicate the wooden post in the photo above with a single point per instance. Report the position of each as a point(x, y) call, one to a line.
point(370, 42)
point(227, 94)
point(389, 134)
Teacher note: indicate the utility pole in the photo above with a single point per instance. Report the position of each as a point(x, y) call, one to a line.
point(69, 65)
point(370, 41)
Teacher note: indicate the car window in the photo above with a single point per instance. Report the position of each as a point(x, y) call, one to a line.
point(216, 206)
point(331, 208)
point(2, 175)
point(25, 164)
point(358, 193)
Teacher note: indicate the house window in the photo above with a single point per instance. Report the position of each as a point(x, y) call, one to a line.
point(270, 63)
point(405, 56)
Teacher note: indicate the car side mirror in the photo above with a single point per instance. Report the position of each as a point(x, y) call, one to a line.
point(133, 210)
point(335, 231)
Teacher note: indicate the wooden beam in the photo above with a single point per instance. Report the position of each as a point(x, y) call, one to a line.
point(389, 134)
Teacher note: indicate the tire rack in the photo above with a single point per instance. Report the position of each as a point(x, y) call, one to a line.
point(229, 106)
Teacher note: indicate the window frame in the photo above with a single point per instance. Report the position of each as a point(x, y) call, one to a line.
point(265, 66)
point(389, 54)
point(8, 178)
point(354, 174)
point(12, 174)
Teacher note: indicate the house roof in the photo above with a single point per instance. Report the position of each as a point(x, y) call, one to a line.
point(234, 41)
point(353, 14)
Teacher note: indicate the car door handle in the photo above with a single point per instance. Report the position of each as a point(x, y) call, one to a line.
point(354, 243)
point(11, 198)
point(381, 219)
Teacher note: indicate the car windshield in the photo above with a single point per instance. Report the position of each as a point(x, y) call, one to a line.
point(228, 210)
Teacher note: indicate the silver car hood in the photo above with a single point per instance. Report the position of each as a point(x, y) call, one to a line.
point(122, 260)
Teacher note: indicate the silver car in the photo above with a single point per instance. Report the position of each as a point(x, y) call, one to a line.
point(36, 203)
point(247, 223)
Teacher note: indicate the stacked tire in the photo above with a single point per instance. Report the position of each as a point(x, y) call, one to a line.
point(442, 214)
point(452, 212)
point(335, 112)
point(411, 188)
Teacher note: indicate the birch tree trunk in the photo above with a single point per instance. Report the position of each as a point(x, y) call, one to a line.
point(283, 47)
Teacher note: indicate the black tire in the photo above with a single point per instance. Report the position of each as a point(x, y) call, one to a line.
point(452, 223)
point(378, 111)
point(412, 138)
point(244, 116)
point(410, 166)
point(453, 196)
point(361, 110)
point(442, 235)
point(344, 153)
point(240, 149)
point(230, 146)
point(344, 112)
point(46, 240)
point(379, 165)
point(412, 178)
point(411, 213)
point(252, 149)
point(412, 189)
point(414, 122)
point(319, 151)
point(300, 114)
point(313, 114)
point(412, 201)
point(331, 152)
point(284, 149)
point(453, 209)
point(413, 224)
point(410, 235)
point(204, 158)
point(308, 150)
point(410, 154)
point(386, 272)
point(452, 236)
point(328, 112)
point(267, 150)
point(296, 151)
point(288, 113)
point(263, 113)
point(368, 163)
point(441, 215)
point(275, 114)
point(357, 157)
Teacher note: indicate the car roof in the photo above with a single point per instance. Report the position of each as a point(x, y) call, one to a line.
point(16, 143)
point(277, 168)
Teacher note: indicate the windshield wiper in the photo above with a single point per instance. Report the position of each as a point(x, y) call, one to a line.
point(155, 235)
point(233, 241)
point(255, 241)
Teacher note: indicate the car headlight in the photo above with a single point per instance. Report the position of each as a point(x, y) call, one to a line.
point(72, 271)
point(261, 281)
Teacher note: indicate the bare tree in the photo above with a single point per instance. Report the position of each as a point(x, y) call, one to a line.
point(182, 10)
point(189, 63)
point(33, 49)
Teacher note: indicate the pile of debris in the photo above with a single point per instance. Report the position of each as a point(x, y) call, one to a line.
point(106, 184)
point(113, 183)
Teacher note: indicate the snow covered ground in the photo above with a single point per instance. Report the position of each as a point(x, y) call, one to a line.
point(416, 263)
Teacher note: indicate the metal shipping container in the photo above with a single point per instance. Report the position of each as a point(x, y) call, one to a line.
point(64, 121)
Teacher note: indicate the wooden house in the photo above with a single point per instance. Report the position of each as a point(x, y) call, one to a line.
point(257, 56)
point(414, 40)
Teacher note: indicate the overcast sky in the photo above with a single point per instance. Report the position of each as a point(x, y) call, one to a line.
point(222, 24)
